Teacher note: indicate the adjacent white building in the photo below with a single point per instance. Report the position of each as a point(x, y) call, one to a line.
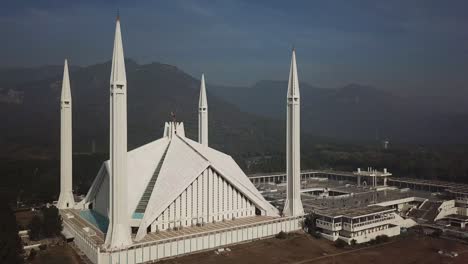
point(358, 224)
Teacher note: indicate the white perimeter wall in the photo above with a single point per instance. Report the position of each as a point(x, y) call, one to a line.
point(83, 242)
point(200, 242)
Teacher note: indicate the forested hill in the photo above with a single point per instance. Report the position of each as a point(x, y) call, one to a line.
point(30, 107)
point(245, 122)
point(355, 113)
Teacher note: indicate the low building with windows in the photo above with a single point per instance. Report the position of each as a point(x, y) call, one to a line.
point(359, 224)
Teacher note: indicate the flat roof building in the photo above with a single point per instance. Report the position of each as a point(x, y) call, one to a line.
point(358, 224)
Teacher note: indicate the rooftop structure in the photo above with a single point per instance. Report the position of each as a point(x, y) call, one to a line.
point(209, 187)
point(372, 175)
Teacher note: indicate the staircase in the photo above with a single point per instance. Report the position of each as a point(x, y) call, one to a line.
point(141, 208)
point(427, 212)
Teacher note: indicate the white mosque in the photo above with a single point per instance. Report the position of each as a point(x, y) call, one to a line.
point(174, 195)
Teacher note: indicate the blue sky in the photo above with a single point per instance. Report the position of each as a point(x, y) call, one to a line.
point(403, 46)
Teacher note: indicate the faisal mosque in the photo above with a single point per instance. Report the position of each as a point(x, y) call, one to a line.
point(175, 195)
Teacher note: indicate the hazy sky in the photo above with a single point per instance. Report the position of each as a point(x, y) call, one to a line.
point(397, 45)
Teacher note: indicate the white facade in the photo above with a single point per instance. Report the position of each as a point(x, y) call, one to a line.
point(360, 225)
point(192, 242)
point(118, 235)
point(209, 187)
point(173, 183)
point(203, 114)
point(293, 204)
point(66, 199)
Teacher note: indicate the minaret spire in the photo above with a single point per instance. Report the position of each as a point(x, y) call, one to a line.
point(66, 199)
point(293, 204)
point(118, 233)
point(203, 114)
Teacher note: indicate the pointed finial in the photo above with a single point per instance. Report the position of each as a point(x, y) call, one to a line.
point(118, 14)
point(293, 47)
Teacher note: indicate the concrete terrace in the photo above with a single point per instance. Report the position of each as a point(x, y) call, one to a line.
point(73, 218)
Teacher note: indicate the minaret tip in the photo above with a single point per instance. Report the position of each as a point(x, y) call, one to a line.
point(118, 15)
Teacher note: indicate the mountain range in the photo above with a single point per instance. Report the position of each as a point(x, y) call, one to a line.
point(29, 108)
point(241, 119)
point(354, 113)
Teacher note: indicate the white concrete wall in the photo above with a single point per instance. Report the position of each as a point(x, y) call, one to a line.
point(141, 253)
point(208, 199)
point(101, 200)
point(372, 234)
point(446, 208)
point(462, 211)
point(402, 222)
point(84, 243)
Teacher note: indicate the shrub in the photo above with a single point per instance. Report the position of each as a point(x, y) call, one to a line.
point(52, 225)
point(339, 243)
point(42, 247)
point(437, 233)
point(32, 254)
point(35, 228)
point(353, 242)
point(281, 235)
point(316, 235)
point(309, 223)
point(382, 239)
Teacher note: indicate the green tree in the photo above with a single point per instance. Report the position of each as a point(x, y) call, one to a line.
point(52, 222)
point(11, 248)
point(35, 228)
point(310, 223)
point(340, 243)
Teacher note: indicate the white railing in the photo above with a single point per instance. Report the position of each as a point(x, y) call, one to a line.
point(369, 223)
point(329, 225)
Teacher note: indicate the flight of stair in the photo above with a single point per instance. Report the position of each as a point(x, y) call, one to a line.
point(141, 208)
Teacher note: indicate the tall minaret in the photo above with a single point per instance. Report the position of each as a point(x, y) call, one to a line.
point(66, 199)
point(118, 233)
point(203, 114)
point(293, 204)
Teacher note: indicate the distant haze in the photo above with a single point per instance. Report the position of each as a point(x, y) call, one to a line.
point(406, 47)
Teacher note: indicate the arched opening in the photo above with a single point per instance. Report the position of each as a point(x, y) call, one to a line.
point(257, 211)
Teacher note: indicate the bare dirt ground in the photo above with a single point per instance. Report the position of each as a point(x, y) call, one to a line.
point(57, 255)
point(300, 249)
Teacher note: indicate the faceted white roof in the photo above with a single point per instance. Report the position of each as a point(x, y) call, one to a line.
point(185, 160)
